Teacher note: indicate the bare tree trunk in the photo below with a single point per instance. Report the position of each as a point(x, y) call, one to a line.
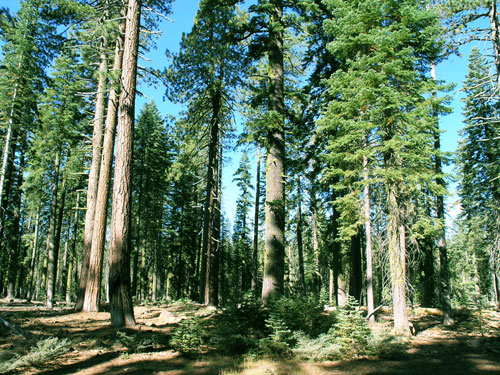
point(300, 245)
point(122, 313)
point(255, 255)
point(94, 279)
point(210, 201)
point(356, 272)
point(72, 252)
point(274, 258)
point(216, 245)
point(13, 243)
point(368, 240)
point(495, 37)
point(93, 176)
point(51, 248)
point(57, 240)
point(34, 256)
point(445, 292)
point(397, 262)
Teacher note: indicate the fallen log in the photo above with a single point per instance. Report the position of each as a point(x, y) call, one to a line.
point(12, 327)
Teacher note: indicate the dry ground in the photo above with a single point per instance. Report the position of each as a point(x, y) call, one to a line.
point(472, 346)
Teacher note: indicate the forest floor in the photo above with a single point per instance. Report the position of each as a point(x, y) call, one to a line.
point(471, 346)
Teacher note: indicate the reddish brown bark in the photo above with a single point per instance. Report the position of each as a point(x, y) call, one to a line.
point(122, 313)
point(94, 279)
point(93, 178)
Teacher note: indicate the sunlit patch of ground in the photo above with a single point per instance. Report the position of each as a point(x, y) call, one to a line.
point(471, 346)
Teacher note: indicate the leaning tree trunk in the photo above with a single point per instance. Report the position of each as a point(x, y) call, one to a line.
point(94, 278)
point(122, 313)
point(95, 165)
point(274, 258)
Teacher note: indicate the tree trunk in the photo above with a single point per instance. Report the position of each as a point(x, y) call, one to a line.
point(34, 256)
point(445, 292)
point(368, 240)
point(94, 275)
point(216, 245)
point(300, 245)
point(356, 274)
point(57, 239)
point(122, 313)
point(13, 244)
point(135, 259)
point(93, 176)
point(51, 246)
point(10, 142)
point(255, 255)
point(274, 258)
point(210, 202)
point(495, 37)
point(72, 252)
point(397, 262)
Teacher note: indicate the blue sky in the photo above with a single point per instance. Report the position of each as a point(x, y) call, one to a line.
point(183, 14)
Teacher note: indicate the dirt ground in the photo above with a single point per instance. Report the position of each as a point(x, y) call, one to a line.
point(471, 346)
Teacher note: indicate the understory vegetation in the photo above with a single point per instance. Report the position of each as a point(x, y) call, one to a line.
point(288, 327)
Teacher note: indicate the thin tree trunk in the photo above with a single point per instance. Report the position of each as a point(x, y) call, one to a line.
point(216, 245)
point(317, 273)
point(122, 313)
point(94, 277)
point(143, 279)
point(64, 268)
point(14, 236)
point(255, 255)
point(300, 245)
point(445, 292)
point(51, 246)
point(210, 201)
point(93, 176)
point(495, 37)
point(331, 286)
point(57, 239)
point(34, 256)
point(72, 263)
point(356, 273)
point(135, 259)
point(9, 139)
point(274, 258)
point(368, 240)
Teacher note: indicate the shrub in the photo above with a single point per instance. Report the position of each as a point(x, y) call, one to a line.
point(137, 342)
point(302, 314)
point(346, 338)
point(190, 336)
point(387, 347)
point(238, 329)
point(351, 333)
point(321, 348)
point(45, 350)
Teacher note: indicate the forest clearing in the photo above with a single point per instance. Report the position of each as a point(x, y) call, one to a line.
point(193, 210)
point(471, 346)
